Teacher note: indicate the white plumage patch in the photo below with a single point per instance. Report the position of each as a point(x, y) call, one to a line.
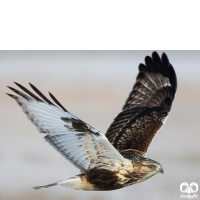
point(46, 118)
point(85, 149)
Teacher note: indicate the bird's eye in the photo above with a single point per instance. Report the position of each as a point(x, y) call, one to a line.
point(151, 167)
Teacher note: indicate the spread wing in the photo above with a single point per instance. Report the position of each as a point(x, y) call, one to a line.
point(146, 108)
point(78, 142)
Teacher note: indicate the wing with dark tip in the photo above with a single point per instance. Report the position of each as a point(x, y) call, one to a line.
point(146, 108)
point(77, 141)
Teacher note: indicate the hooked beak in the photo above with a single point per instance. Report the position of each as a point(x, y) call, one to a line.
point(162, 171)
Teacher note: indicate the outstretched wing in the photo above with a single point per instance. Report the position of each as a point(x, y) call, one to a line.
point(146, 108)
point(77, 141)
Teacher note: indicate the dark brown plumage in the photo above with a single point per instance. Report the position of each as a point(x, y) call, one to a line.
point(147, 106)
point(118, 160)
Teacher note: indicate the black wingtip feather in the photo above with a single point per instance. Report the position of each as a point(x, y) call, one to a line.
point(19, 93)
point(157, 62)
point(165, 64)
point(149, 63)
point(169, 71)
point(13, 89)
point(33, 95)
point(11, 95)
point(142, 67)
point(28, 92)
point(57, 102)
point(160, 65)
point(164, 58)
point(40, 94)
point(173, 78)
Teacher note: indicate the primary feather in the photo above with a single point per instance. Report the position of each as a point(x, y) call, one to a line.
point(146, 108)
point(81, 144)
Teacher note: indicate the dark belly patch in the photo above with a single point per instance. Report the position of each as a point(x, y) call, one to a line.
point(103, 179)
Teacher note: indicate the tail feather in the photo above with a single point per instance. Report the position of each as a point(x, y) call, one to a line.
point(45, 186)
point(78, 182)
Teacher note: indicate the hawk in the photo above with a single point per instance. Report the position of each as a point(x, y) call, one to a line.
point(116, 159)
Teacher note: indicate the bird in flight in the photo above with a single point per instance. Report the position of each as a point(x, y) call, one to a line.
point(116, 159)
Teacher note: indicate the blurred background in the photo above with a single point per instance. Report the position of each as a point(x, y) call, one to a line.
point(94, 85)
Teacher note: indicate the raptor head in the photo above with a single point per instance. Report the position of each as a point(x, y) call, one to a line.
point(146, 167)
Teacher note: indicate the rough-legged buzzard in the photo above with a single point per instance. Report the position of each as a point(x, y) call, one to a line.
point(116, 159)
